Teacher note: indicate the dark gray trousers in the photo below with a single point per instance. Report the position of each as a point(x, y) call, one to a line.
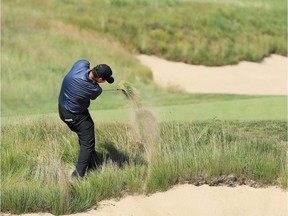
point(83, 125)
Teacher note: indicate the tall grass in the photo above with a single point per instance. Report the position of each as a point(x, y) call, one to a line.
point(189, 153)
point(198, 32)
point(37, 158)
point(38, 50)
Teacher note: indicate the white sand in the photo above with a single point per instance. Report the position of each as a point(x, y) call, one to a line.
point(266, 78)
point(187, 200)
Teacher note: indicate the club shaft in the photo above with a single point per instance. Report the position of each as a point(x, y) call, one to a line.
point(111, 90)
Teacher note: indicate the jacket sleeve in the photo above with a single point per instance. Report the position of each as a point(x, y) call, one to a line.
point(96, 93)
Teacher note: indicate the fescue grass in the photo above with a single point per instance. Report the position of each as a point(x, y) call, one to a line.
point(38, 156)
point(197, 32)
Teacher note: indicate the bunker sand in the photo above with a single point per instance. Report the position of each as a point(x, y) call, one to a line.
point(266, 78)
point(187, 200)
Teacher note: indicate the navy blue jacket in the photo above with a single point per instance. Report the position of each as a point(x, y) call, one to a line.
point(77, 89)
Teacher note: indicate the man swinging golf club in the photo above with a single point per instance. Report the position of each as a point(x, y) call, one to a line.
point(79, 86)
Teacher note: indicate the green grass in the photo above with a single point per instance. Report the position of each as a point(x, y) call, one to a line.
point(264, 108)
point(37, 157)
point(269, 108)
point(199, 135)
point(253, 109)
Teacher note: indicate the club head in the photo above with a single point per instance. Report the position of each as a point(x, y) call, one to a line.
point(118, 89)
point(124, 92)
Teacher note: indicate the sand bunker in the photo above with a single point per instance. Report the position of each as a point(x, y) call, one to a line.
point(266, 78)
point(187, 200)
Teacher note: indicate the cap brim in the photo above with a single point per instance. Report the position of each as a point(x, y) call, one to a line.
point(110, 80)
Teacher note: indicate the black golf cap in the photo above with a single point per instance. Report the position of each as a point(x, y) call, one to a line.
point(105, 72)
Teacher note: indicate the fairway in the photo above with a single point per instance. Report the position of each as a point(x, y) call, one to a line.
point(267, 108)
point(270, 108)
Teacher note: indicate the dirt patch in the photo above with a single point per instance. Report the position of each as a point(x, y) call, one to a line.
point(223, 180)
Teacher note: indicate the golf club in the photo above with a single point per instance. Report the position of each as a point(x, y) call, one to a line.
point(118, 89)
point(128, 90)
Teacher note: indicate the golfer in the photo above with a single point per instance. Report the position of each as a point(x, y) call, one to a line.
point(79, 86)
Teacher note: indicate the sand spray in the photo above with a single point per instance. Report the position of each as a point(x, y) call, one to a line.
point(143, 122)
